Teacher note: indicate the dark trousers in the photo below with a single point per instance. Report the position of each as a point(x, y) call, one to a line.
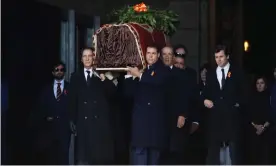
point(174, 158)
point(196, 151)
point(62, 153)
point(272, 154)
point(258, 148)
point(145, 156)
point(57, 153)
point(213, 156)
point(272, 148)
point(259, 153)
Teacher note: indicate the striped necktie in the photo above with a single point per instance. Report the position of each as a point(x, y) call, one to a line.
point(58, 91)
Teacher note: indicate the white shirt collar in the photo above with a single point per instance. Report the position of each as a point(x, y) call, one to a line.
point(220, 74)
point(226, 67)
point(62, 82)
point(91, 71)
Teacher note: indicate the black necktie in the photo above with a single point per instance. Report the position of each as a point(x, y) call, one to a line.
point(88, 78)
point(58, 91)
point(223, 78)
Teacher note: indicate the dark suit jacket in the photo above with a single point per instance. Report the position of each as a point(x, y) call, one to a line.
point(193, 90)
point(48, 107)
point(90, 110)
point(224, 121)
point(178, 105)
point(126, 101)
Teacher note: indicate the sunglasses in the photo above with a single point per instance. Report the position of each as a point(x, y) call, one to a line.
point(57, 70)
point(179, 54)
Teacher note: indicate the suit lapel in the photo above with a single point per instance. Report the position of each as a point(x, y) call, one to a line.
point(53, 91)
point(65, 85)
point(83, 78)
point(65, 91)
point(228, 75)
point(216, 79)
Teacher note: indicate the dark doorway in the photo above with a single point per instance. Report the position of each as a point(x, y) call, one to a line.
point(259, 30)
point(31, 34)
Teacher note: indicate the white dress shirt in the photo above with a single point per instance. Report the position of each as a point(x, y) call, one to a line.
point(85, 73)
point(56, 85)
point(219, 72)
point(128, 76)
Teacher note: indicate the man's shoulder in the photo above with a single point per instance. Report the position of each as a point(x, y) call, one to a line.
point(76, 73)
point(190, 69)
point(47, 88)
point(66, 83)
point(235, 67)
point(236, 70)
point(163, 69)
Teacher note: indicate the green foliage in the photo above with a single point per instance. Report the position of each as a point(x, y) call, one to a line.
point(163, 20)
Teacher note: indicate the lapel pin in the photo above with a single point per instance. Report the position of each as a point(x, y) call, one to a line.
point(229, 74)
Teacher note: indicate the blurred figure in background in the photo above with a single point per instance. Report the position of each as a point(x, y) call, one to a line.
point(198, 148)
point(259, 123)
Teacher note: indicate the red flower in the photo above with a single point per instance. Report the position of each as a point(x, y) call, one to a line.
point(140, 7)
point(65, 91)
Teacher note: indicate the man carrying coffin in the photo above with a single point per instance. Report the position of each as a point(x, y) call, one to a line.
point(89, 95)
point(150, 122)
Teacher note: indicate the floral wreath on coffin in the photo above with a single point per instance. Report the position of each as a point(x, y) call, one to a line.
point(162, 20)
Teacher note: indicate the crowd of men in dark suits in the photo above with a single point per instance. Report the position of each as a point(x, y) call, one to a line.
point(159, 115)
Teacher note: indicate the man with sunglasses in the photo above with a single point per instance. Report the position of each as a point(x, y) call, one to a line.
point(181, 53)
point(52, 118)
point(179, 62)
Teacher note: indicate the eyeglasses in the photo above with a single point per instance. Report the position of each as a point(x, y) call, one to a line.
point(57, 70)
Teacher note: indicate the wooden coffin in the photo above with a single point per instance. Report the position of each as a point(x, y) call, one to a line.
point(121, 45)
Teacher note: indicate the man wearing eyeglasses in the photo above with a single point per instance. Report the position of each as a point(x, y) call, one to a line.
point(52, 119)
point(181, 53)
